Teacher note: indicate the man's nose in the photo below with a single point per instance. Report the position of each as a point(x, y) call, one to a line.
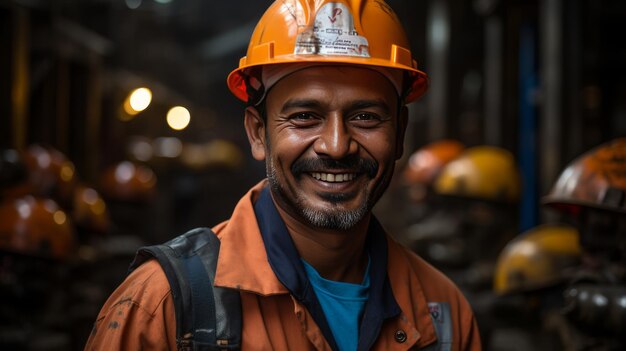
point(335, 139)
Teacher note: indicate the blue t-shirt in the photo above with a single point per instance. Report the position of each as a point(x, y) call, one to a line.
point(343, 305)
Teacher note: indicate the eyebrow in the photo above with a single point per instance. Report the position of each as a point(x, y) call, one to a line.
point(300, 103)
point(356, 105)
point(377, 103)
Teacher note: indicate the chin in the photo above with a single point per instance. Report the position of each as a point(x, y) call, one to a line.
point(334, 218)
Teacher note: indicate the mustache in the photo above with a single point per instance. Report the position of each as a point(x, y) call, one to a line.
point(352, 163)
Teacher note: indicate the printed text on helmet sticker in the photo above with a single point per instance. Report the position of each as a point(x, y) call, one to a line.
point(332, 33)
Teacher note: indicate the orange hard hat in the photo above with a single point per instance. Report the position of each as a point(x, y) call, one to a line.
point(37, 227)
point(355, 32)
point(89, 210)
point(426, 162)
point(595, 179)
point(129, 182)
point(50, 172)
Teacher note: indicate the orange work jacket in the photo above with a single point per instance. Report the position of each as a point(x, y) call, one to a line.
point(139, 315)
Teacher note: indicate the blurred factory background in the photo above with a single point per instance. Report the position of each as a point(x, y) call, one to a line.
point(117, 130)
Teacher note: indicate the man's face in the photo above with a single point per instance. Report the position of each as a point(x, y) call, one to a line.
point(330, 142)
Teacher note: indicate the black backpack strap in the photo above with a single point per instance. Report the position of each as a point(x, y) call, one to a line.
point(207, 317)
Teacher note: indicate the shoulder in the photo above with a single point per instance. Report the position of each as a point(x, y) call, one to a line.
point(145, 288)
point(407, 266)
point(402, 256)
point(139, 314)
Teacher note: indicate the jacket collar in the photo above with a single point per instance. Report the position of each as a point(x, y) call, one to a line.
point(242, 262)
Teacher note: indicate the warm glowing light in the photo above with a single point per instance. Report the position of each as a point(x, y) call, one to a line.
point(59, 217)
point(178, 118)
point(140, 99)
point(129, 113)
point(67, 172)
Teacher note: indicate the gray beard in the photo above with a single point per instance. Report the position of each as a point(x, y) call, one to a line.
point(333, 219)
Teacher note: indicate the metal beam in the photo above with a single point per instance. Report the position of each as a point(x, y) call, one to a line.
point(438, 42)
point(493, 81)
point(550, 117)
point(20, 78)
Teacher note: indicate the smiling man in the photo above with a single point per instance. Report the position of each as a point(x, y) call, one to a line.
point(329, 141)
point(326, 85)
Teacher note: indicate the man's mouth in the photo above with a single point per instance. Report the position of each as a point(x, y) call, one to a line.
point(335, 171)
point(333, 177)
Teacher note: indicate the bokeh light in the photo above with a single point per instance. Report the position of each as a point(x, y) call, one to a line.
point(178, 118)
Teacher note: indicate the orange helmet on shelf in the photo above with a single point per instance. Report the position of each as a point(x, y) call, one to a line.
point(481, 172)
point(426, 162)
point(89, 211)
point(50, 172)
point(538, 258)
point(596, 179)
point(36, 227)
point(355, 32)
point(129, 182)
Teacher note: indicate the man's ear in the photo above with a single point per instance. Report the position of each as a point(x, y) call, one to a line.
point(255, 128)
point(403, 121)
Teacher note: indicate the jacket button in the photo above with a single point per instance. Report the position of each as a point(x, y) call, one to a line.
point(400, 336)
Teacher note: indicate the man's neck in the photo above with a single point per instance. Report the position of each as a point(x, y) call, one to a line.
point(337, 255)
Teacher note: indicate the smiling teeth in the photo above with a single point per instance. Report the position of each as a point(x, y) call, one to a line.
point(333, 178)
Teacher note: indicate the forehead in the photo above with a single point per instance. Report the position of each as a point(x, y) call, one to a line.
point(333, 84)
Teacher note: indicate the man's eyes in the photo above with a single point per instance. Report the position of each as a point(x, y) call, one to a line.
point(303, 119)
point(361, 119)
point(366, 117)
point(302, 116)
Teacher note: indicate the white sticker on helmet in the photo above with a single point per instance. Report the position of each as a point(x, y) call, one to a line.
point(332, 33)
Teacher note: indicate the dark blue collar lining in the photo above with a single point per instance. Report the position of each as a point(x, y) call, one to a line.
point(285, 262)
point(381, 304)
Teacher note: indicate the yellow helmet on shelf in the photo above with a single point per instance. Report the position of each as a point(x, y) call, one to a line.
point(537, 259)
point(481, 172)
